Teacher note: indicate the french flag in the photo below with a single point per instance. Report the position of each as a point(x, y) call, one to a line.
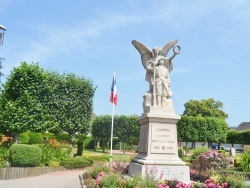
point(113, 94)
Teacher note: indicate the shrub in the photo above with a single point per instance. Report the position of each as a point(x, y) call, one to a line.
point(25, 155)
point(89, 143)
point(197, 152)
point(245, 161)
point(35, 138)
point(76, 162)
point(63, 136)
point(79, 148)
point(54, 164)
point(237, 161)
point(95, 158)
point(221, 151)
point(211, 160)
point(52, 150)
point(24, 138)
point(98, 167)
point(180, 153)
point(4, 156)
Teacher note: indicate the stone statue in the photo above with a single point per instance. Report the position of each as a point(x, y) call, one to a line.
point(158, 68)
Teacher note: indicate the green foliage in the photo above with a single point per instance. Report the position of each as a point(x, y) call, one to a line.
point(81, 137)
point(221, 151)
point(245, 161)
point(53, 154)
point(198, 128)
point(79, 148)
point(76, 162)
point(70, 103)
point(205, 108)
point(20, 102)
point(245, 136)
point(98, 158)
point(25, 155)
point(237, 161)
point(180, 153)
point(4, 155)
point(24, 138)
point(35, 138)
point(233, 136)
point(197, 151)
point(203, 121)
point(89, 143)
point(98, 167)
point(63, 136)
point(127, 128)
point(236, 181)
point(37, 100)
point(212, 160)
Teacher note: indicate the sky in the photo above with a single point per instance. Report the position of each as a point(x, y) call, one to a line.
point(93, 38)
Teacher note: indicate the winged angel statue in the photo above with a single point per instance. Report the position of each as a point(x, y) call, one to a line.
point(158, 67)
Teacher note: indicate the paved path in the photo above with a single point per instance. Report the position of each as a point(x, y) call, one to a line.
point(60, 179)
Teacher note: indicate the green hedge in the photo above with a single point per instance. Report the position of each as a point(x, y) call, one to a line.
point(63, 136)
point(89, 143)
point(79, 148)
point(22, 155)
point(35, 138)
point(76, 162)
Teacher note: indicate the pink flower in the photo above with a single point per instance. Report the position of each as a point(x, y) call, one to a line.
point(225, 185)
point(208, 181)
point(211, 185)
point(192, 171)
point(101, 173)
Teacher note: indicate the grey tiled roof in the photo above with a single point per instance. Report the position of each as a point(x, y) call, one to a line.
point(243, 126)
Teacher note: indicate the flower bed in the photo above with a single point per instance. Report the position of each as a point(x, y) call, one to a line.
point(102, 175)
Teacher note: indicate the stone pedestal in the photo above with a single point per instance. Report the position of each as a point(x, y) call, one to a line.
point(158, 146)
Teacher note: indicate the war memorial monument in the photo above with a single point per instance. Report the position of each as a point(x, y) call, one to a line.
point(158, 145)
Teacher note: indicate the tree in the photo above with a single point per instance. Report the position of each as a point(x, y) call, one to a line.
point(37, 100)
point(205, 108)
point(233, 137)
point(203, 121)
point(127, 129)
point(20, 101)
point(101, 129)
point(70, 103)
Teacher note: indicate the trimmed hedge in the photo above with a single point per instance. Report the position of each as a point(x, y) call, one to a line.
point(76, 162)
point(89, 143)
point(79, 148)
point(35, 138)
point(22, 155)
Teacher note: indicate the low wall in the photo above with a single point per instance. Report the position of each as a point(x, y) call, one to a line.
point(18, 172)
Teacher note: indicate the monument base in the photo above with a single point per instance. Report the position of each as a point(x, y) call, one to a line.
point(165, 172)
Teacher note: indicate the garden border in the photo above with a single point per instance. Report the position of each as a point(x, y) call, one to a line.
point(23, 172)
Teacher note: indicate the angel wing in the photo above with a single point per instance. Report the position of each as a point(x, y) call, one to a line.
point(145, 52)
point(165, 49)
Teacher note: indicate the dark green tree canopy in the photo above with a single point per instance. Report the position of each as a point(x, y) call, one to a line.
point(37, 100)
point(203, 121)
point(205, 108)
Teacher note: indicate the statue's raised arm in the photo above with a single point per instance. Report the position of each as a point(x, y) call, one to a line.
point(158, 66)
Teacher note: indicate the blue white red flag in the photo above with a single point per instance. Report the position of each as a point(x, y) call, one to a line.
point(113, 95)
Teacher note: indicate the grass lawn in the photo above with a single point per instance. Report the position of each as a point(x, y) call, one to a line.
point(116, 156)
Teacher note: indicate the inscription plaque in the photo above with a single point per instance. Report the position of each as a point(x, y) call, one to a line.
point(163, 139)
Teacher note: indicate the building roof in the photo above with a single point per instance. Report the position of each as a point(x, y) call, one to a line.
point(243, 126)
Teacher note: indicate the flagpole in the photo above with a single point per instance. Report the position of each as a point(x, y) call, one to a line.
point(112, 124)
